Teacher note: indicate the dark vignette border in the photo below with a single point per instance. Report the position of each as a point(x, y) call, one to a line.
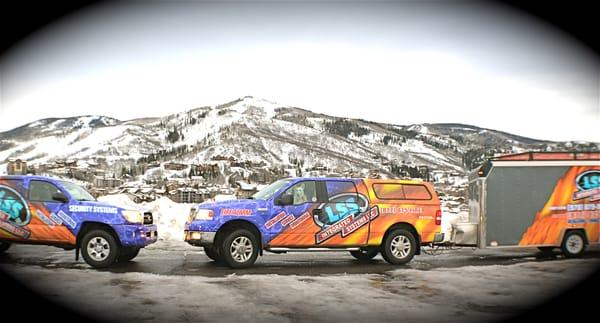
point(578, 20)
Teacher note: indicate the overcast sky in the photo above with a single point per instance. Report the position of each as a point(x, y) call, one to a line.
point(397, 62)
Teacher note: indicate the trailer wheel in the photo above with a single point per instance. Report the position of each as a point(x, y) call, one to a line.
point(399, 247)
point(573, 244)
point(127, 254)
point(365, 254)
point(212, 253)
point(239, 248)
point(99, 248)
point(4, 246)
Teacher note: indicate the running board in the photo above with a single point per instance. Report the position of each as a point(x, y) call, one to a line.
point(280, 250)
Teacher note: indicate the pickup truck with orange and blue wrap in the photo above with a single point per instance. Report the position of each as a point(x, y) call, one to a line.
point(363, 216)
point(49, 211)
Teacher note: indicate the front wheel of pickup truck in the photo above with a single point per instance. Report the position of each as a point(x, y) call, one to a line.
point(4, 246)
point(239, 248)
point(128, 253)
point(212, 253)
point(99, 248)
point(399, 247)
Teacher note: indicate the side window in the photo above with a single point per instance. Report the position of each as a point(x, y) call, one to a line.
point(303, 192)
point(389, 191)
point(416, 192)
point(394, 191)
point(343, 201)
point(42, 191)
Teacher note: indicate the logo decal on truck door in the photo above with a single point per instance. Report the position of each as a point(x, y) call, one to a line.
point(344, 213)
point(14, 212)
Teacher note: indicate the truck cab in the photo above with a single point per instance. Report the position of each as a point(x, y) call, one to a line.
point(363, 216)
point(49, 211)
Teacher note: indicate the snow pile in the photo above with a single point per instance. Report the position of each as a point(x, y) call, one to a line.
point(224, 197)
point(169, 216)
point(449, 218)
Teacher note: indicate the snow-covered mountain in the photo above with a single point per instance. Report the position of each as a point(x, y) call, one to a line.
point(259, 130)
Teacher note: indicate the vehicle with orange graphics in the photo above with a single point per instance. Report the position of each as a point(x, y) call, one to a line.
point(548, 200)
point(362, 216)
point(43, 210)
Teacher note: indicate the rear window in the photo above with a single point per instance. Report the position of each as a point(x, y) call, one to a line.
point(401, 192)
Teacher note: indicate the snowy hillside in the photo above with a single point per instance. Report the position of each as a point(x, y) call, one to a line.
point(257, 130)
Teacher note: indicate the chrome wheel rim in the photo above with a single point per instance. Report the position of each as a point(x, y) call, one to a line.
point(400, 246)
point(98, 249)
point(574, 244)
point(241, 249)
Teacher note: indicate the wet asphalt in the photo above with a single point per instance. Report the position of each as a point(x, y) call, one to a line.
point(178, 258)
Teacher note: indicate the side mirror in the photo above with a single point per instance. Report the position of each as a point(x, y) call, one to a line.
point(60, 197)
point(285, 199)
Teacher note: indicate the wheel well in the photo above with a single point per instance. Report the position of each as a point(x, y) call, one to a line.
point(237, 224)
point(406, 226)
point(89, 226)
point(582, 231)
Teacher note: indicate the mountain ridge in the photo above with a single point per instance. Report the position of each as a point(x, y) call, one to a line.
point(263, 131)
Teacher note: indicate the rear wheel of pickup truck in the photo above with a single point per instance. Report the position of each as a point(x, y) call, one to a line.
point(546, 250)
point(399, 247)
point(99, 248)
point(128, 253)
point(212, 253)
point(4, 246)
point(365, 254)
point(239, 248)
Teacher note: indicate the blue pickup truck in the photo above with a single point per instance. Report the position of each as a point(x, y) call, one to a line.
point(49, 211)
point(363, 216)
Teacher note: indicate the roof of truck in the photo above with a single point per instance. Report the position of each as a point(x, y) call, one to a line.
point(371, 180)
point(29, 176)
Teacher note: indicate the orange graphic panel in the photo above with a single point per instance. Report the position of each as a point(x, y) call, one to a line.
point(574, 203)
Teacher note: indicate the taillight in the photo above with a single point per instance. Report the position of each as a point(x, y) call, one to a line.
point(438, 217)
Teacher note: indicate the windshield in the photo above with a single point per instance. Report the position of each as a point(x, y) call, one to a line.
point(77, 192)
point(268, 191)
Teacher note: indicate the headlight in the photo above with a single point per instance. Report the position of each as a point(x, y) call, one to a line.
point(133, 216)
point(203, 214)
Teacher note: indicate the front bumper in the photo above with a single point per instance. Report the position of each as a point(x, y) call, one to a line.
point(136, 235)
point(199, 238)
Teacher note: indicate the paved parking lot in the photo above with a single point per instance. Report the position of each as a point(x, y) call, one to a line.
point(172, 281)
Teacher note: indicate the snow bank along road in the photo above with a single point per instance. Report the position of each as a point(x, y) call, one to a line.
point(171, 282)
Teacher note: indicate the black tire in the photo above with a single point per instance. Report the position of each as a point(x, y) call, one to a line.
point(108, 252)
point(4, 246)
point(394, 257)
point(573, 244)
point(212, 253)
point(365, 254)
point(546, 249)
point(233, 258)
point(128, 253)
